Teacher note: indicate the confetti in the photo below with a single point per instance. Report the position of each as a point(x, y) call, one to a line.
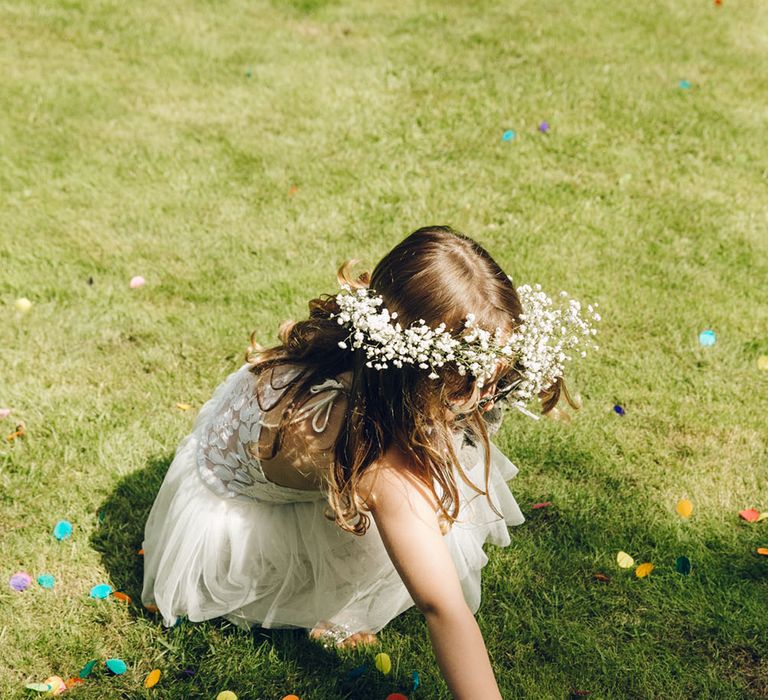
point(87, 670)
point(357, 671)
point(643, 570)
point(137, 282)
point(226, 695)
point(123, 597)
point(39, 687)
point(291, 697)
point(20, 432)
point(718, 3)
point(5, 412)
point(20, 581)
point(294, 189)
point(683, 565)
point(117, 666)
point(618, 409)
point(544, 127)
point(397, 696)
point(602, 577)
point(152, 679)
point(62, 530)
point(707, 338)
point(383, 663)
point(141, 552)
point(763, 551)
point(73, 681)
point(762, 516)
point(762, 364)
point(684, 508)
point(541, 505)
point(685, 84)
point(186, 673)
point(57, 684)
point(46, 581)
point(184, 406)
point(23, 305)
point(624, 560)
point(750, 515)
point(508, 135)
point(101, 591)
point(416, 680)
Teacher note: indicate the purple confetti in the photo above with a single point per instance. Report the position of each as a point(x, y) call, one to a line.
point(20, 581)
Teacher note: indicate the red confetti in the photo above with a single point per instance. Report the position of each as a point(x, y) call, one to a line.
point(750, 515)
point(541, 505)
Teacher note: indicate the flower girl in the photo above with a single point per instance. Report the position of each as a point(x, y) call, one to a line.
point(347, 474)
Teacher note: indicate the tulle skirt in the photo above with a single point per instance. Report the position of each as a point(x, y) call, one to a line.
point(283, 564)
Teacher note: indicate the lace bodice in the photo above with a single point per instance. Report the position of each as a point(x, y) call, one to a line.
point(228, 431)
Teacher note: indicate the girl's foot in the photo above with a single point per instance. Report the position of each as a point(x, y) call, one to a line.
point(339, 635)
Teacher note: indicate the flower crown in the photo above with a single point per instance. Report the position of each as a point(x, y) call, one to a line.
point(539, 344)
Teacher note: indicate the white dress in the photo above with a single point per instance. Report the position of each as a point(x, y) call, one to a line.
point(223, 541)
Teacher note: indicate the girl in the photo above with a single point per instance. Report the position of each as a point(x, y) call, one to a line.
point(347, 474)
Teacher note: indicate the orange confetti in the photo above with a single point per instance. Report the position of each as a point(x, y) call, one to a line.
point(643, 570)
point(74, 680)
point(684, 508)
point(141, 551)
point(718, 3)
point(152, 679)
point(541, 505)
point(119, 595)
point(750, 515)
point(290, 697)
point(293, 190)
point(763, 551)
point(20, 431)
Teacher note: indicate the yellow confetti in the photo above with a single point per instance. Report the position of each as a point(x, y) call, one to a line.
point(184, 406)
point(383, 662)
point(22, 306)
point(643, 570)
point(624, 560)
point(152, 679)
point(226, 695)
point(684, 508)
point(762, 516)
point(762, 363)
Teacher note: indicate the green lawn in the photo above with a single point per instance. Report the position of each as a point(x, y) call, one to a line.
point(164, 140)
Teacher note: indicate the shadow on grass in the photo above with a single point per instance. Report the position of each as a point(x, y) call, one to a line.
point(118, 539)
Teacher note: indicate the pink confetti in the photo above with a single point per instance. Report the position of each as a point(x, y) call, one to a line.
point(137, 281)
point(20, 581)
point(5, 412)
point(541, 505)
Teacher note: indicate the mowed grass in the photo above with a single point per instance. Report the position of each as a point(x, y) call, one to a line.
point(234, 154)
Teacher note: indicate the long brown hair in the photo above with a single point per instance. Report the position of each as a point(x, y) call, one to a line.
point(436, 274)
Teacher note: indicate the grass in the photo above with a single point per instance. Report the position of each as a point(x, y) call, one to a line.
point(164, 140)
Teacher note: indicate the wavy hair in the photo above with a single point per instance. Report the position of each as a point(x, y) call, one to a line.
point(436, 274)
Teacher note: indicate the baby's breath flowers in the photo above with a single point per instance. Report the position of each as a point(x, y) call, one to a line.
point(539, 344)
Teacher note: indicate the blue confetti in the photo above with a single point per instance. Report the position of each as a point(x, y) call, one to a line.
point(62, 530)
point(416, 680)
point(46, 580)
point(618, 409)
point(117, 666)
point(707, 338)
point(101, 591)
point(685, 84)
point(356, 672)
point(508, 135)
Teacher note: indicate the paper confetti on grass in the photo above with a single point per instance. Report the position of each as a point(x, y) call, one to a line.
point(762, 363)
point(624, 560)
point(57, 685)
point(21, 431)
point(508, 135)
point(122, 597)
point(291, 697)
point(5, 412)
point(46, 581)
point(383, 662)
point(184, 406)
point(117, 666)
point(618, 409)
point(22, 305)
point(20, 581)
point(226, 695)
point(87, 670)
point(152, 679)
point(707, 338)
point(397, 696)
point(137, 282)
point(416, 680)
point(101, 591)
point(684, 508)
point(62, 530)
point(763, 551)
point(357, 671)
point(683, 565)
point(39, 687)
point(545, 504)
point(601, 577)
point(643, 570)
point(750, 515)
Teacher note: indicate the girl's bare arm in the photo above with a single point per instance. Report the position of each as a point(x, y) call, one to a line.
point(404, 512)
